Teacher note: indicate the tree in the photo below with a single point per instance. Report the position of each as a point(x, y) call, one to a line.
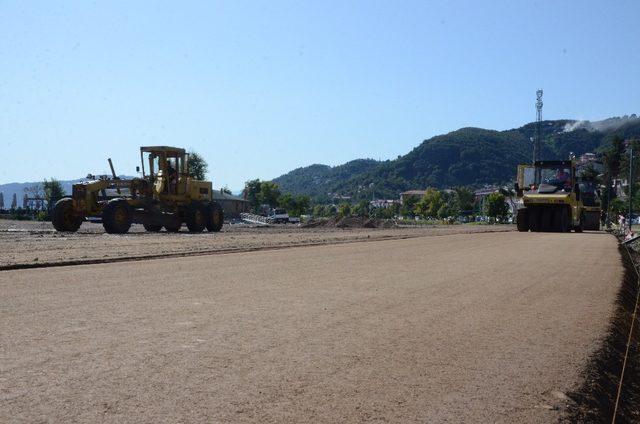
point(466, 199)
point(319, 210)
point(430, 204)
point(618, 207)
point(362, 208)
point(408, 207)
point(251, 192)
point(495, 206)
point(301, 205)
point(1, 200)
point(269, 193)
point(197, 166)
point(615, 154)
point(344, 209)
point(53, 191)
point(14, 201)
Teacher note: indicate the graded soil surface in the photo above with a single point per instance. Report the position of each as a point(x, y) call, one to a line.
point(493, 327)
point(28, 243)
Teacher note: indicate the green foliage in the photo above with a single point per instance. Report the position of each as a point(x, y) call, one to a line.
point(386, 213)
point(294, 205)
point(618, 207)
point(260, 193)
point(269, 193)
point(408, 207)
point(251, 192)
point(197, 166)
point(465, 199)
point(496, 206)
point(344, 209)
point(52, 191)
point(362, 208)
point(430, 204)
point(319, 210)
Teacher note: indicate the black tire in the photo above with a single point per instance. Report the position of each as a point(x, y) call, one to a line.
point(173, 227)
point(580, 226)
point(546, 217)
point(533, 216)
point(522, 222)
point(196, 217)
point(117, 217)
point(152, 228)
point(64, 217)
point(563, 220)
point(215, 217)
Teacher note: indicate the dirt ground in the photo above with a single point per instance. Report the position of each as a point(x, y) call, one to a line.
point(37, 243)
point(491, 327)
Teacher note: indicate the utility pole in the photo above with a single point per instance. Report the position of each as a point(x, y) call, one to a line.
point(630, 184)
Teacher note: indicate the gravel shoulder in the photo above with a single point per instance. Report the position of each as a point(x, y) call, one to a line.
point(492, 327)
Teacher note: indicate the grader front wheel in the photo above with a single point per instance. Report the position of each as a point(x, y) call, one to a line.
point(64, 216)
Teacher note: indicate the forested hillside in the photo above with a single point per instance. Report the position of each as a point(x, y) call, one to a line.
point(466, 157)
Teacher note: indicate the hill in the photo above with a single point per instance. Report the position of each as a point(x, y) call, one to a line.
point(465, 157)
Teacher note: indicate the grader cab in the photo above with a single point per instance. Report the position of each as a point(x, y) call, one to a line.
point(165, 196)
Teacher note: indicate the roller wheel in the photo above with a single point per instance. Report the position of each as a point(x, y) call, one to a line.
point(117, 217)
point(196, 217)
point(215, 217)
point(152, 228)
point(521, 220)
point(546, 216)
point(533, 216)
point(580, 226)
point(563, 220)
point(64, 217)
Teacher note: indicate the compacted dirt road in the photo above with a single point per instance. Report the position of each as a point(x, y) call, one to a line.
point(492, 327)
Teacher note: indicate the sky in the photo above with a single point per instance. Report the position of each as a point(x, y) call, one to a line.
point(260, 88)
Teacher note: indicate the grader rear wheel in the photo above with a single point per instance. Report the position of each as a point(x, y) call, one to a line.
point(117, 217)
point(64, 217)
point(173, 226)
point(215, 217)
point(196, 217)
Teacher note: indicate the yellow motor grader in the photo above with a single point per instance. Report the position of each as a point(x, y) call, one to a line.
point(551, 197)
point(165, 196)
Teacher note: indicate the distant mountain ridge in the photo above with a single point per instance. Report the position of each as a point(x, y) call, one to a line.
point(468, 156)
point(19, 189)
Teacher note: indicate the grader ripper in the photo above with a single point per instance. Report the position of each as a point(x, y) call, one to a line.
point(165, 196)
point(552, 198)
